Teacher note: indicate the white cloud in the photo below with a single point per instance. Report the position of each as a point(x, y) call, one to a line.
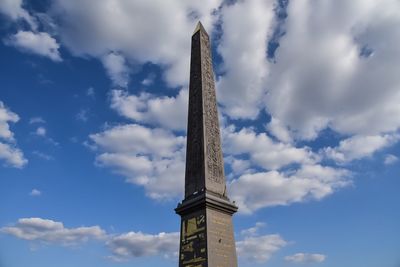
point(41, 131)
point(12, 155)
point(149, 80)
point(14, 10)
point(152, 158)
point(277, 129)
point(357, 147)
point(253, 247)
point(6, 116)
point(390, 159)
point(34, 120)
point(263, 151)
point(49, 231)
point(264, 189)
point(259, 248)
point(137, 244)
point(246, 26)
point(35, 193)
point(238, 166)
point(306, 258)
point(252, 231)
point(168, 112)
point(40, 43)
point(323, 77)
point(123, 246)
point(117, 68)
point(140, 31)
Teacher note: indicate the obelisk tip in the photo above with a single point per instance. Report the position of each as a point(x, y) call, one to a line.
point(199, 27)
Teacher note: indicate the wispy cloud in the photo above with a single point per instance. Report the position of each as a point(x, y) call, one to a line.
point(38, 120)
point(390, 159)
point(306, 258)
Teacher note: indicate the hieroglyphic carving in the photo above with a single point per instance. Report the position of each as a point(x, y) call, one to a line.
point(215, 164)
point(204, 161)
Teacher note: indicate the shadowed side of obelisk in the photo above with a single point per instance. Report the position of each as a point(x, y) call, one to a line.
point(206, 213)
point(204, 161)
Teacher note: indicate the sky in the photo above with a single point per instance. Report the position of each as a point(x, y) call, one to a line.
point(93, 113)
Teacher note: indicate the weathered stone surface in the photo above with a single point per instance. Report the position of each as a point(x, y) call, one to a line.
point(204, 161)
point(220, 239)
point(207, 238)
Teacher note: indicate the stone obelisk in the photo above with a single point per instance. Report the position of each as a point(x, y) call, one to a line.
point(207, 238)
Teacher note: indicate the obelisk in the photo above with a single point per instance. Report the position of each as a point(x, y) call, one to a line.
point(207, 238)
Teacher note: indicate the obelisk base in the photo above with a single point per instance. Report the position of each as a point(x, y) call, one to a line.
point(207, 238)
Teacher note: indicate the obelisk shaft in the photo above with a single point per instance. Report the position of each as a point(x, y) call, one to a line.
point(204, 161)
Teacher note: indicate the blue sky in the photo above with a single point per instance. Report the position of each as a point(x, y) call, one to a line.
point(93, 105)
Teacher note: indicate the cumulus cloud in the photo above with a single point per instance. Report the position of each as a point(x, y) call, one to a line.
point(323, 76)
point(263, 151)
point(123, 247)
point(259, 248)
point(12, 155)
point(141, 31)
point(357, 147)
point(35, 193)
point(306, 258)
point(246, 26)
point(40, 43)
point(49, 231)
point(41, 131)
point(117, 68)
point(152, 158)
point(138, 244)
point(279, 130)
point(264, 189)
point(168, 112)
point(253, 247)
point(14, 10)
point(238, 166)
point(6, 116)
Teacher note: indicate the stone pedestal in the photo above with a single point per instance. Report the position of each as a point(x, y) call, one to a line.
point(207, 237)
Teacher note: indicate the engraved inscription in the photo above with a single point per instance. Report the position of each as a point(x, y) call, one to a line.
point(204, 160)
point(215, 165)
point(193, 252)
